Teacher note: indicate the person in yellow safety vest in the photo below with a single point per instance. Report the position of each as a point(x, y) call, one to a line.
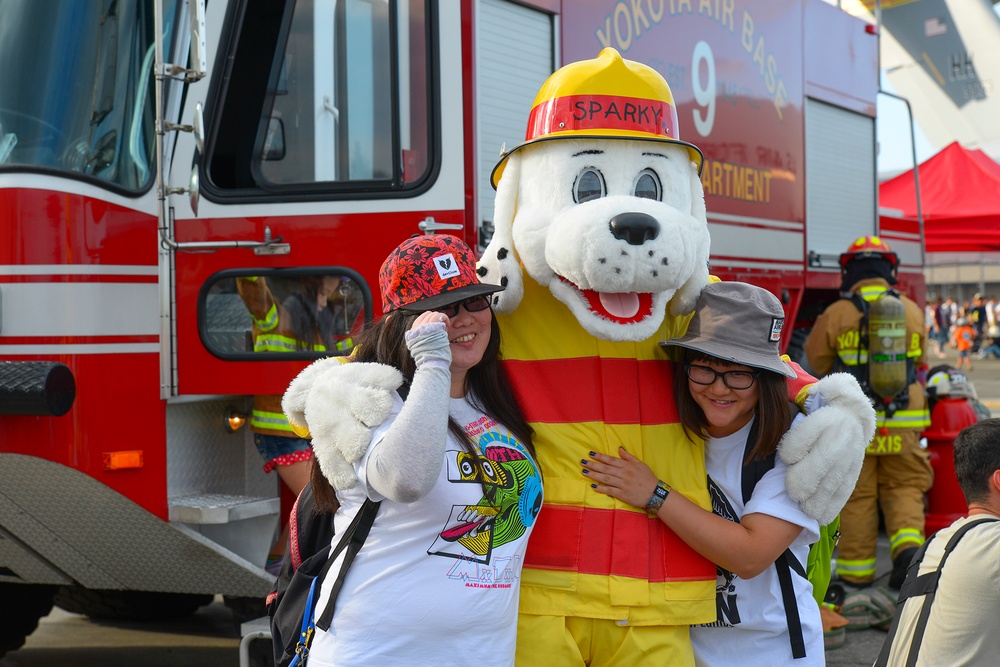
point(896, 473)
point(304, 321)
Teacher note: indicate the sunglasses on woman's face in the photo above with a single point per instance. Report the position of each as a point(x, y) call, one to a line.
point(473, 304)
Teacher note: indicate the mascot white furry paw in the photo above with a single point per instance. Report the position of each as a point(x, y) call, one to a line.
point(602, 243)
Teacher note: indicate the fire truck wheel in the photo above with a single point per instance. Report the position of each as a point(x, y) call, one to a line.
point(245, 609)
point(17, 621)
point(129, 605)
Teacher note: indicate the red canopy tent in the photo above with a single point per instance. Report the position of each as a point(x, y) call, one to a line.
point(960, 201)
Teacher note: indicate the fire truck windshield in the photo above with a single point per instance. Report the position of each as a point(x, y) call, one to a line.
point(77, 89)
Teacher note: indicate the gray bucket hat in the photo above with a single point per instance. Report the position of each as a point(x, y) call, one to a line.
point(737, 322)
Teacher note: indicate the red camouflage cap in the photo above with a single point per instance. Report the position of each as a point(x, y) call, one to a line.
point(428, 271)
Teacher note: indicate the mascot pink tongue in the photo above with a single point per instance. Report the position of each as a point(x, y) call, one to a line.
point(622, 307)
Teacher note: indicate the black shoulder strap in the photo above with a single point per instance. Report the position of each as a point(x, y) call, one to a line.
point(753, 471)
point(353, 539)
point(926, 585)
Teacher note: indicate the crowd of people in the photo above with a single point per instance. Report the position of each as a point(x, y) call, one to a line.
point(971, 327)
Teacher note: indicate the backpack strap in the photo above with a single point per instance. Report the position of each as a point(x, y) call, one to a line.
point(353, 539)
point(753, 471)
point(356, 533)
point(915, 585)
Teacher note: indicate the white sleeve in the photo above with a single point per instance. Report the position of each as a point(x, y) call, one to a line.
point(404, 459)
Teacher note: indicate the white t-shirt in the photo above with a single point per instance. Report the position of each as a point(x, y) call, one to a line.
point(752, 627)
point(437, 581)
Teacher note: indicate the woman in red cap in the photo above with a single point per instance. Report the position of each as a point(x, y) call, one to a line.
point(438, 578)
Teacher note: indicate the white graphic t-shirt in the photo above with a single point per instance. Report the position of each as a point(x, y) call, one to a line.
point(751, 628)
point(437, 580)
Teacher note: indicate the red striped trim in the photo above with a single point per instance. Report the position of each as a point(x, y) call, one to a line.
point(613, 391)
point(582, 113)
point(612, 542)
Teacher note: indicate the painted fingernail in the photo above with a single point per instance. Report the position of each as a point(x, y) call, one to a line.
point(593, 454)
point(586, 472)
point(583, 461)
point(593, 486)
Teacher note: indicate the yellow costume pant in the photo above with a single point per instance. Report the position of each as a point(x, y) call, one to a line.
point(896, 483)
point(557, 641)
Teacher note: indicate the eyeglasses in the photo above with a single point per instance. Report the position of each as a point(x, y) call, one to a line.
point(473, 304)
point(732, 379)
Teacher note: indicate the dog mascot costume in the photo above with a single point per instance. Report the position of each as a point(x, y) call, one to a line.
point(602, 243)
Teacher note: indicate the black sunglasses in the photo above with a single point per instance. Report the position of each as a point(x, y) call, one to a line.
point(473, 304)
point(732, 379)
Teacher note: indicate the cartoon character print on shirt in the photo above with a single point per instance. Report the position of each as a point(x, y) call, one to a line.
point(727, 607)
point(510, 503)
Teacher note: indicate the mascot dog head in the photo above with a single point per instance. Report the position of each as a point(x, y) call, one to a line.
point(602, 203)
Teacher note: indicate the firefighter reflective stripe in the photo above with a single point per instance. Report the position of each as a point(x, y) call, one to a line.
point(278, 343)
point(871, 292)
point(270, 320)
point(911, 419)
point(905, 538)
point(860, 570)
point(851, 356)
point(274, 421)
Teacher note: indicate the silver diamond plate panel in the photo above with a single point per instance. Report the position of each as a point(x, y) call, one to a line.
point(204, 458)
point(100, 539)
point(19, 564)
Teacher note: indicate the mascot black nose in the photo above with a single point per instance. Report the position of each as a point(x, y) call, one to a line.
point(636, 228)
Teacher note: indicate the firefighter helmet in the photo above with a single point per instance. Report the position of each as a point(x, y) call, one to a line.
point(869, 246)
point(604, 98)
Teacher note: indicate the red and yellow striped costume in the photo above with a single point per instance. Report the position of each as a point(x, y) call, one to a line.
point(591, 555)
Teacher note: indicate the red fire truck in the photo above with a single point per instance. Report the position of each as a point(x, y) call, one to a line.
point(141, 178)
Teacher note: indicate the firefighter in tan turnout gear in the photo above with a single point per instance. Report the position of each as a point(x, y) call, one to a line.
point(878, 335)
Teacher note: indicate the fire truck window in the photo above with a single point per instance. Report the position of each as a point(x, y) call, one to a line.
point(308, 314)
point(343, 110)
point(77, 88)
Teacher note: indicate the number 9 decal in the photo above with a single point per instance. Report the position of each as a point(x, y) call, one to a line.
point(704, 91)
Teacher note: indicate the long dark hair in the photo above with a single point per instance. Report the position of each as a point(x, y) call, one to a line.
point(486, 384)
point(772, 411)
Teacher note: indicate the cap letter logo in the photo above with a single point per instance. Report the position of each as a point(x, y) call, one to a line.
point(446, 265)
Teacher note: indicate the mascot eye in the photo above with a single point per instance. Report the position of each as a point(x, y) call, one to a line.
point(647, 186)
point(589, 185)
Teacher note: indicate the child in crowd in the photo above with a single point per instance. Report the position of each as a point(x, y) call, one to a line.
point(963, 339)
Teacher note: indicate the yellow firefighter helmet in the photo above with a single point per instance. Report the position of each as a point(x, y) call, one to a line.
point(604, 98)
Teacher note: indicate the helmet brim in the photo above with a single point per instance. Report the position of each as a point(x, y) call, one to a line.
point(693, 151)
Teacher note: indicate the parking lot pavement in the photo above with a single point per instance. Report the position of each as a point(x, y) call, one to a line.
point(208, 638)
